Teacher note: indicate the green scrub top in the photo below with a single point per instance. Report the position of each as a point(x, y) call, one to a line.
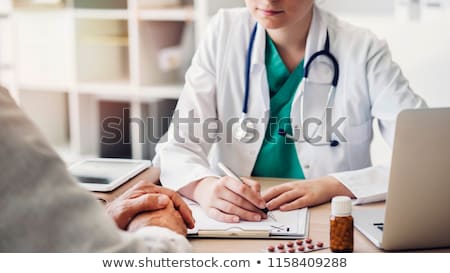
point(278, 156)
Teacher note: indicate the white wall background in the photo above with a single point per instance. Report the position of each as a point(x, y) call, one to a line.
point(418, 34)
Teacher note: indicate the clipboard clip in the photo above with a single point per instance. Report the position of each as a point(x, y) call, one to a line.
point(281, 228)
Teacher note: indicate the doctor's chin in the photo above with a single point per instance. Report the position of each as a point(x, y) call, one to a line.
point(211, 128)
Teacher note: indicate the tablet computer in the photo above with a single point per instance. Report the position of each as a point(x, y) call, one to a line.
point(103, 174)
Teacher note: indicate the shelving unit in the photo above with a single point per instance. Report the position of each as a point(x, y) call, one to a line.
point(182, 14)
point(68, 62)
point(118, 14)
point(100, 4)
point(6, 48)
point(74, 62)
point(106, 42)
point(46, 107)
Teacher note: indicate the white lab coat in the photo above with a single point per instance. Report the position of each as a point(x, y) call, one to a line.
point(371, 86)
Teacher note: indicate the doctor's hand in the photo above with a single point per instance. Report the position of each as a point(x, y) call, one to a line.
point(300, 194)
point(145, 197)
point(227, 200)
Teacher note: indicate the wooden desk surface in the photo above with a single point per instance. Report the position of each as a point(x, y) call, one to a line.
point(318, 230)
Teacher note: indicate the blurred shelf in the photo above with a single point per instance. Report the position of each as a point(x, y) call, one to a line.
point(36, 4)
point(56, 88)
point(101, 4)
point(161, 92)
point(6, 67)
point(69, 57)
point(105, 14)
point(104, 41)
point(123, 90)
point(122, 87)
point(185, 13)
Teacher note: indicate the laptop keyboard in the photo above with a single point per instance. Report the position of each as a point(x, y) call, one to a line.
point(380, 226)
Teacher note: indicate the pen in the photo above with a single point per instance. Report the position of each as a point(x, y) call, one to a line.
point(230, 173)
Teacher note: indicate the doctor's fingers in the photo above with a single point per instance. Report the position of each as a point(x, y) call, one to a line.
point(237, 200)
point(297, 204)
point(254, 185)
point(122, 211)
point(231, 209)
point(273, 192)
point(244, 191)
point(220, 216)
point(284, 198)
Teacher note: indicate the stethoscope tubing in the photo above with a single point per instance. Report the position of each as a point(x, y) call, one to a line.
point(331, 93)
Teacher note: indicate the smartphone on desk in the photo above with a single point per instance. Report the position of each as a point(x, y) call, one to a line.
point(104, 174)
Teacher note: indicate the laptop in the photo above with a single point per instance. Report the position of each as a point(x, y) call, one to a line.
point(417, 211)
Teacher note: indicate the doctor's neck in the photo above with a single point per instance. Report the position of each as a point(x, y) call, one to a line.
point(291, 40)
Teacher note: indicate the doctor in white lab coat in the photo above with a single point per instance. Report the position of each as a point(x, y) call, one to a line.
point(371, 86)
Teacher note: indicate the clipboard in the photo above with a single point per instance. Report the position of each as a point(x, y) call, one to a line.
point(280, 225)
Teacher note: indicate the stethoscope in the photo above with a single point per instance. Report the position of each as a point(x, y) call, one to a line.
point(239, 128)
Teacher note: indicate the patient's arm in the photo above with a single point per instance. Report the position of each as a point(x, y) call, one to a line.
point(43, 209)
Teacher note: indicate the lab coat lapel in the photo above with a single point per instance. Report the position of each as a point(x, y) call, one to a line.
point(317, 34)
point(259, 100)
point(314, 43)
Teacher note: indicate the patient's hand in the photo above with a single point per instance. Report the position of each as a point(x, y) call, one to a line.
point(147, 197)
point(168, 217)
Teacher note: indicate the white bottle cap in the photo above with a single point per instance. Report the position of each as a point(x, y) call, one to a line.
point(341, 206)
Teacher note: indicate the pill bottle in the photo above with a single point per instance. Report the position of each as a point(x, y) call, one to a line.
point(341, 225)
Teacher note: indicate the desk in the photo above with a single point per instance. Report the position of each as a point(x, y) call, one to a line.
point(318, 230)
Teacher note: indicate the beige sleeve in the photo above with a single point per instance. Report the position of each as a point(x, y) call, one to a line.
point(42, 207)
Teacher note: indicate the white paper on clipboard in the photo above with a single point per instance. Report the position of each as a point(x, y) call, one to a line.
point(281, 224)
